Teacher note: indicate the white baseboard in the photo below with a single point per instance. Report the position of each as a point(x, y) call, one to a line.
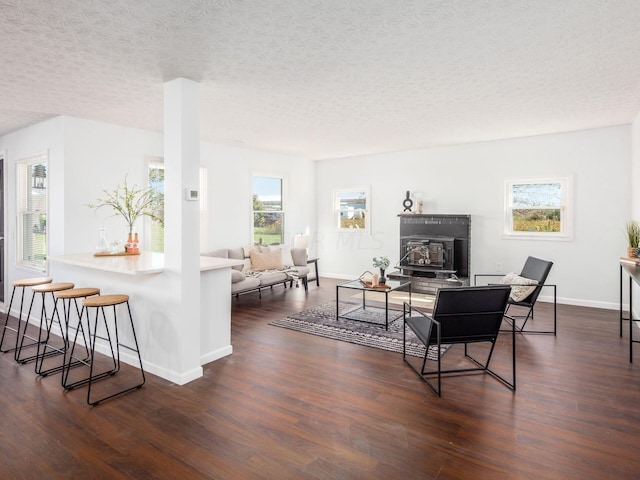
point(216, 354)
point(179, 378)
point(578, 302)
point(175, 377)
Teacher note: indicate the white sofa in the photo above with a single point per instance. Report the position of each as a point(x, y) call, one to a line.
point(265, 266)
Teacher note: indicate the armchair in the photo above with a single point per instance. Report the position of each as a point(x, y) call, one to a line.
point(537, 271)
point(460, 315)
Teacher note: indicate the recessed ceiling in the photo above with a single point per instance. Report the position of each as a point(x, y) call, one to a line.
point(327, 78)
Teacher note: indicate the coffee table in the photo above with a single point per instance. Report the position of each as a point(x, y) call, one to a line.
point(367, 313)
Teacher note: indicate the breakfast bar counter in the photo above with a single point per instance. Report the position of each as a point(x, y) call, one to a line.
point(145, 263)
point(173, 343)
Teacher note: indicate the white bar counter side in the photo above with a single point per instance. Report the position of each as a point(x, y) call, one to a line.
point(155, 304)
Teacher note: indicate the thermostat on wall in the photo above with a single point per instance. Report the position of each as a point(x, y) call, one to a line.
point(191, 194)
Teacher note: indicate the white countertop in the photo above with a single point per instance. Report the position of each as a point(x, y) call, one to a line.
point(144, 264)
point(214, 263)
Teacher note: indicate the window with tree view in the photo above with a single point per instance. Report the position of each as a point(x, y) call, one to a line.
point(538, 208)
point(268, 210)
point(156, 183)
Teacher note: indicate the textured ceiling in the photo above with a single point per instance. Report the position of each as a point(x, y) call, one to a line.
point(327, 78)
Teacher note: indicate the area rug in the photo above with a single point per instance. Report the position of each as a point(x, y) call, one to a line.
point(321, 321)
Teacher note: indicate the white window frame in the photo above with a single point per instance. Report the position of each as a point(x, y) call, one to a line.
point(23, 185)
point(151, 162)
point(284, 192)
point(565, 207)
point(338, 211)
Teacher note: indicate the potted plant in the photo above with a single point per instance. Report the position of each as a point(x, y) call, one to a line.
point(633, 237)
point(382, 263)
point(131, 202)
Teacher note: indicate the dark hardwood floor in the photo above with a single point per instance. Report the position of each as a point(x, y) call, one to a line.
point(288, 405)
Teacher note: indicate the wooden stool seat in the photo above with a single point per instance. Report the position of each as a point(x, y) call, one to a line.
point(52, 287)
point(77, 292)
point(30, 282)
point(105, 300)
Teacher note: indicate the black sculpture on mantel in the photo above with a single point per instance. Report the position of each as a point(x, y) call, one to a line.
point(407, 202)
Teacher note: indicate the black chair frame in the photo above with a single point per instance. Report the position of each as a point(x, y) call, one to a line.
point(535, 269)
point(458, 324)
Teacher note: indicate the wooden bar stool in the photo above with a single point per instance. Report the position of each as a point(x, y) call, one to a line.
point(23, 283)
point(44, 348)
point(69, 297)
point(101, 303)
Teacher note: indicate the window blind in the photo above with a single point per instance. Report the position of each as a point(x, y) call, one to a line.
point(32, 213)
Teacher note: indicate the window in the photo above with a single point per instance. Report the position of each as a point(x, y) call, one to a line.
point(538, 208)
point(268, 210)
point(351, 209)
point(31, 204)
point(156, 230)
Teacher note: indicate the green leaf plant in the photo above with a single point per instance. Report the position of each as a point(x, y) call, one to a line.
point(131, 202)
point(633, 233)
point(382, 262)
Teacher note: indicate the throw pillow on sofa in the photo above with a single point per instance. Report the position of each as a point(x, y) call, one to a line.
point(287, 259)
point(237, 276)
point(266, 260)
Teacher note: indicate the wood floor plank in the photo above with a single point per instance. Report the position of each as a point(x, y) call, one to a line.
point(289, 405)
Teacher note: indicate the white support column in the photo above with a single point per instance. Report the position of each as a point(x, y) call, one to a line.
point(182, 226)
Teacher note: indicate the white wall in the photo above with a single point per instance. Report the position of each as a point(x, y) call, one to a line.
point(98, 156)
point(44, 137)
point(469, 179)
point(466, 179)
point(87, 157)
point(635, 195)
point(635, 169)
point(230, 173)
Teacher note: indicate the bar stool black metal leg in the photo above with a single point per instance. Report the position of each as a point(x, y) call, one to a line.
point(43, 344)
point(6, 322)
point(71, 348)
point(45, 348)
point(116, 354)
point(92, 338)
point(19, 342)
point(22, 334)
